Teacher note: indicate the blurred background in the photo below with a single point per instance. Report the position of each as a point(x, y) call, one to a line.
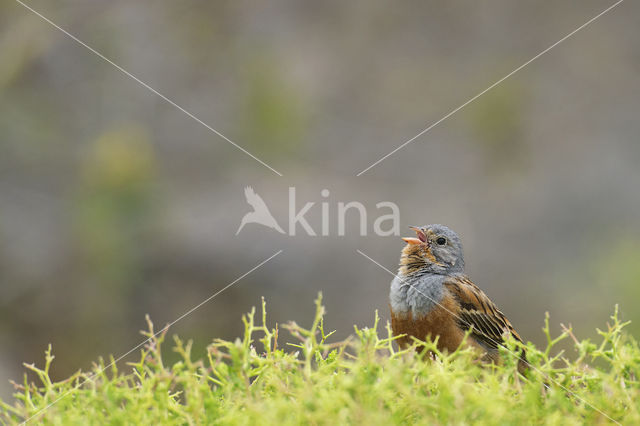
point(114, 204)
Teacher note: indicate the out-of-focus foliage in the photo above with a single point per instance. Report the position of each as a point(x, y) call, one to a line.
point(499, 126)
point(115, 201)
point(618, 272)
point(364, 380)
point(273, 116)
point(115, 210)
point(22, 42)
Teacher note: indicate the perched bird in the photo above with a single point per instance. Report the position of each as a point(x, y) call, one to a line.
point(432, 296)
point(260, 213)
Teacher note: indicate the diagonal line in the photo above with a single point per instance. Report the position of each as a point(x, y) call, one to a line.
point(145, 85)
point(492, 86)
point(489, 338)
point(165, 328)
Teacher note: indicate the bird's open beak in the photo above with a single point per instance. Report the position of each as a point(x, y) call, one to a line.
point(422, 237)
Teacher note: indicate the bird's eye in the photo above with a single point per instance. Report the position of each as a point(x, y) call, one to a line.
point(441, 241)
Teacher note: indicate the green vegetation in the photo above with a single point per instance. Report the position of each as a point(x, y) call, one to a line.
point(362, 380)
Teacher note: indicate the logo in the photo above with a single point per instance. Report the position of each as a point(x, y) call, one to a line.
point(260, 214)
point(384, 224)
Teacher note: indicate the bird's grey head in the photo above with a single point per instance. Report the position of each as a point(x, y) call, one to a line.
point(435, 249)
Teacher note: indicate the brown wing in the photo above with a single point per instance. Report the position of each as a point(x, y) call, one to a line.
point(477, 310)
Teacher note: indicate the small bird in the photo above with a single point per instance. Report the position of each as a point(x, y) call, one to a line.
point(432, 296)
point(260, 213)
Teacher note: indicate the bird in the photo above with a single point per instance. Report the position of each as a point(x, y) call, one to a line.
point(260, 213)
point(432, 296)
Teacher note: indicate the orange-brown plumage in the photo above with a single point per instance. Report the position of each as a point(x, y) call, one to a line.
point(436, 323)
point(431, 296)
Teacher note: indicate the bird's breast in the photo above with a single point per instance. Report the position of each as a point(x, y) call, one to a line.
point(438, 323)
point(416, 296)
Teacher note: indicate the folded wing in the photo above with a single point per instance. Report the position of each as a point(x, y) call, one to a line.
point(478, 311)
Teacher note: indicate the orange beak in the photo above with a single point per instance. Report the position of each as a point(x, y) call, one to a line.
point(422, 237)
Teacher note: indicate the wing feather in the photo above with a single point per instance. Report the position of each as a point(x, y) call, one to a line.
point(478, 311)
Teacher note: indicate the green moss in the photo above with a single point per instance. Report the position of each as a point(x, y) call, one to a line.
point(364, 380)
